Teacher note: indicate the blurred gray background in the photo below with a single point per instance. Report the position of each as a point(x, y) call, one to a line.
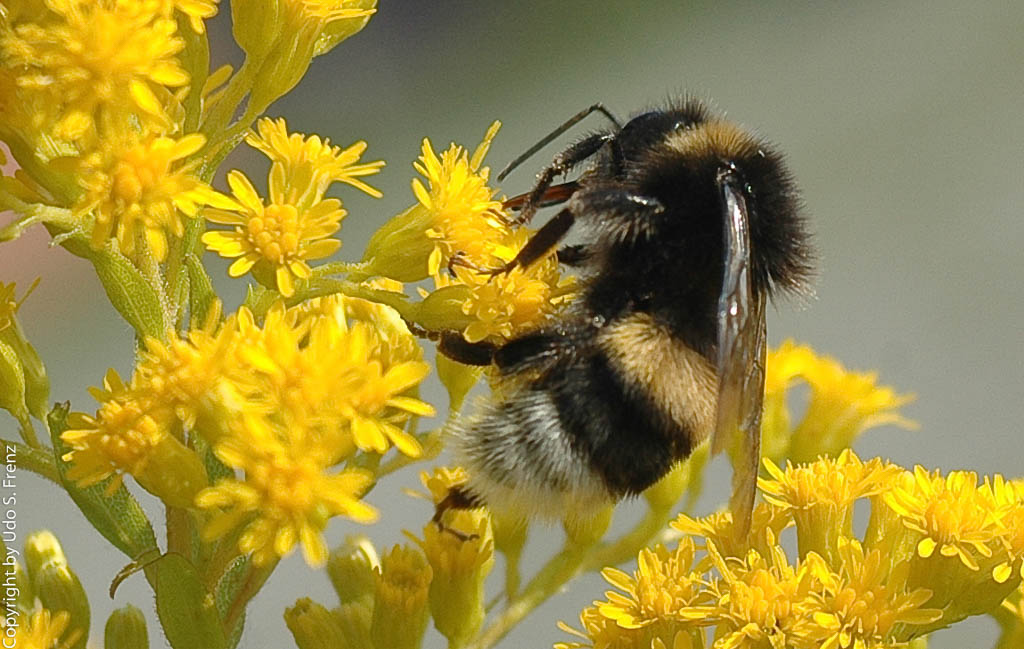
point(903, 123)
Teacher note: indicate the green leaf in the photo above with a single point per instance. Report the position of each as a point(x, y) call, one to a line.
point(187, 612)
point(133, 297)
point(118, 517)
point(12, 383)
point(201, 294)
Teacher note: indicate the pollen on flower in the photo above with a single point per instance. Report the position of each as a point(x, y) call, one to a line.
point(99, 62)
point(508, 305)
point(143, 187)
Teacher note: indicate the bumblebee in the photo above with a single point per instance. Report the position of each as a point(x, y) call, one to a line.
point(687, 225)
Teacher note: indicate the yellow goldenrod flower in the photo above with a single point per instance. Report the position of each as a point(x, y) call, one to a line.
point(821, 495)
point(457, 215)
point(338, 373)
point(842, 405)
point(960, 545)
point(121, 438)
point(760, 601)
point(129, 434)
point(441, 480)
point(955, 515)
point(45, 630)
point(288, 493)
point(861, 604)
point(667, 586)
point(282, 236)
point(661, 605)
point(184, 374)
point(400, 611)
point(311, 156)
point(313, 390)
point(465, 218)
point(767, 523)
point(143, 184)
point(394, 342)
point(102, 63)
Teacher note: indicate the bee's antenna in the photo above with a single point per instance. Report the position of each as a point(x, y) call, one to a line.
point(546, 140)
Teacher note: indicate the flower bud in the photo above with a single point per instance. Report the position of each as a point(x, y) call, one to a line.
point(41, 549)
point(174, 473)
point(586, 530)
point(59, 589)
point(457, 378)
point(126, 629)
point(36, 383)
point(400, 248)
point(338, 30)
point(350, 568)
point(442, 309)
point(313, 626)
point(665, 493)
point(256, 25)
point(400, 610)
point(12, 384)
point(461, 557)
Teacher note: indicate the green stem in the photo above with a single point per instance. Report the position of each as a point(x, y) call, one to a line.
point(569, 563)
point(626, 547)
point(325, 286)
point(338, 268)
point(37, 460)
point(556, 572)
point(258, 576)
point(231, 97)
point(147, 264)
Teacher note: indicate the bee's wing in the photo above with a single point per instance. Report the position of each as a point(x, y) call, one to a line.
point(741, 354)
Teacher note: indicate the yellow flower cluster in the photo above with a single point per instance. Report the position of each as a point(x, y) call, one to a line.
point(936, 550)
point(92, 108)
point(288, 403)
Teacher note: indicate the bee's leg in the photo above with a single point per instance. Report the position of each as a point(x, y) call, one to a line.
point(630, 211)
point(457, 498)
point(625, 215)
point(554, 195)
point(573, 255)
point(457, 348)
point(563, 162)
point(541, 243)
